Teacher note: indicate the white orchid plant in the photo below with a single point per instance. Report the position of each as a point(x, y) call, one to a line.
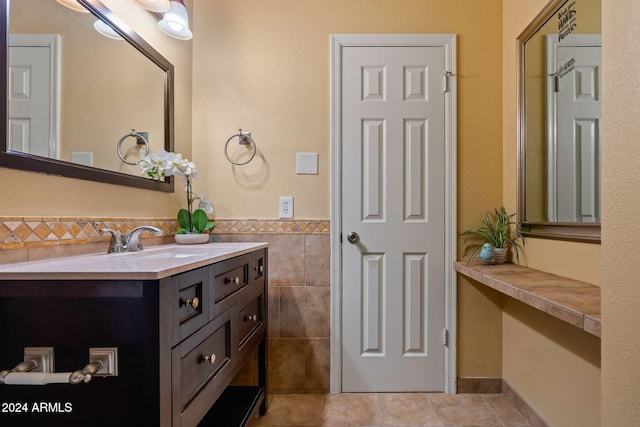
point(161, 164)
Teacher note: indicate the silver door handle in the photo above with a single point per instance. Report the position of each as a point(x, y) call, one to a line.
point(353, 237)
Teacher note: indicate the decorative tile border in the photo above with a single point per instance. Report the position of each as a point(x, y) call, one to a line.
point(36, 231)
point(277, 226)
point(20, 232)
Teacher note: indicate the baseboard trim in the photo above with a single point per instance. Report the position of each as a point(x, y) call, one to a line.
point(522, 406)
point(482, 385)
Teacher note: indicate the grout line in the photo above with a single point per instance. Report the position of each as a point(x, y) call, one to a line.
point(379, 408)
point(492, 410)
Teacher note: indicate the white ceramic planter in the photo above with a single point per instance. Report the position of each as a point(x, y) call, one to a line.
point(191, 239)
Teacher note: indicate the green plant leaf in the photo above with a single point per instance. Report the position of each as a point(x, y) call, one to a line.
point(183, 219)
point(200, 220)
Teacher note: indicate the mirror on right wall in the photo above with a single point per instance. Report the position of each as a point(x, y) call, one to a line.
point(559, 122)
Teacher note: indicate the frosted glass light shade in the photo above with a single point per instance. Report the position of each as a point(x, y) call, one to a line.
point(175, 22)
point(106, 30)
point(73, 4)
point(155, 5)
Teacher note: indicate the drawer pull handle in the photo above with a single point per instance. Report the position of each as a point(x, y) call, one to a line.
point(209, 359)
point(193, 303)
point(229, 280)
point(250, 318)
point(260, 268)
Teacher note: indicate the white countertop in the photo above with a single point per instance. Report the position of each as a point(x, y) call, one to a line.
point(153, 262)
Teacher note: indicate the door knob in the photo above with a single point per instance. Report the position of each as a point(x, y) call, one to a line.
point(353, 237)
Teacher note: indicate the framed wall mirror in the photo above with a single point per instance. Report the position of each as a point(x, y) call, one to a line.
point(559, 122)
point(78, 82)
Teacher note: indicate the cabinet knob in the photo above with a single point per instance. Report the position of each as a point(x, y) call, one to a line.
point(260, 268)
point(209, 359)
point(230, 280)
point(250, 318)
point(193, 303)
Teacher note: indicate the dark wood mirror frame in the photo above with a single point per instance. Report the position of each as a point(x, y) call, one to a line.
point(28, 162)
point(577, 232)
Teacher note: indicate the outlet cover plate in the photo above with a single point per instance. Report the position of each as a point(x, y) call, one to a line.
point(286, 207)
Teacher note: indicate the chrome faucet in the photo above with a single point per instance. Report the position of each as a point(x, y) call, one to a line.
point(130, 241)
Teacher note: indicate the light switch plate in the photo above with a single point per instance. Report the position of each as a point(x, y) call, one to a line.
point(307, 163)
point(82, 157)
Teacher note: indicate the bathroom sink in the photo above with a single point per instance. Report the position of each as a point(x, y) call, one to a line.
point(173, 252)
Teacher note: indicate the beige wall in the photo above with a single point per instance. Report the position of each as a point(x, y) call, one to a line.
point(537, 350)
point(33, 194)
point(265, 67)
point(554, 366)
point(621, 204)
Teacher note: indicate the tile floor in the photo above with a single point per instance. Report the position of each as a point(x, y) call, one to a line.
point(391, 409)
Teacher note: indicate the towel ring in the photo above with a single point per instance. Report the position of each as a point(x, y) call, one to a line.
point(140, 139)
point(244, 138)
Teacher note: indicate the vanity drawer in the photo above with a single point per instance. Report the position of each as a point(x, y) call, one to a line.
point(228, 278)
point(189, 308)
point(250, 318)
point(205, 355)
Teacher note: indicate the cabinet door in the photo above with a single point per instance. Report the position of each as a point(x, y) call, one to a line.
point(201, 367)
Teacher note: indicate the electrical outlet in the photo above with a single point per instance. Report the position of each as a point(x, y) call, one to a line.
point(286, 207)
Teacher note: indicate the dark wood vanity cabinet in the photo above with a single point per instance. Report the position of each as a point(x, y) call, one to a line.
point(181, 340)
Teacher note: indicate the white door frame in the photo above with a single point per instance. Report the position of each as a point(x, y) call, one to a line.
point(338, 41)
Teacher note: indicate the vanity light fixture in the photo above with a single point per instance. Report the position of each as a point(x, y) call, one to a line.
point(175, 21)
point(155, 5)
point(106, 30)
point(74, 5)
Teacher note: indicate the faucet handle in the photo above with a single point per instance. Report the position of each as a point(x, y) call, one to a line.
point(115, 244)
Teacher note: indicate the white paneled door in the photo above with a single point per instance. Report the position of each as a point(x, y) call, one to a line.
point(574, 146)
point(33, 90)
point(393, 218)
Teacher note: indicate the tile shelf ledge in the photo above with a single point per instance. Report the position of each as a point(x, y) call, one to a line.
point(573, 301)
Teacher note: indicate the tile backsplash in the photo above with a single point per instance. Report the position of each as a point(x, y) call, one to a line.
point(33, 238)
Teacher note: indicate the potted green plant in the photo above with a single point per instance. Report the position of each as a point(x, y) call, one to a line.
point(500, 231)
point(192, 223)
